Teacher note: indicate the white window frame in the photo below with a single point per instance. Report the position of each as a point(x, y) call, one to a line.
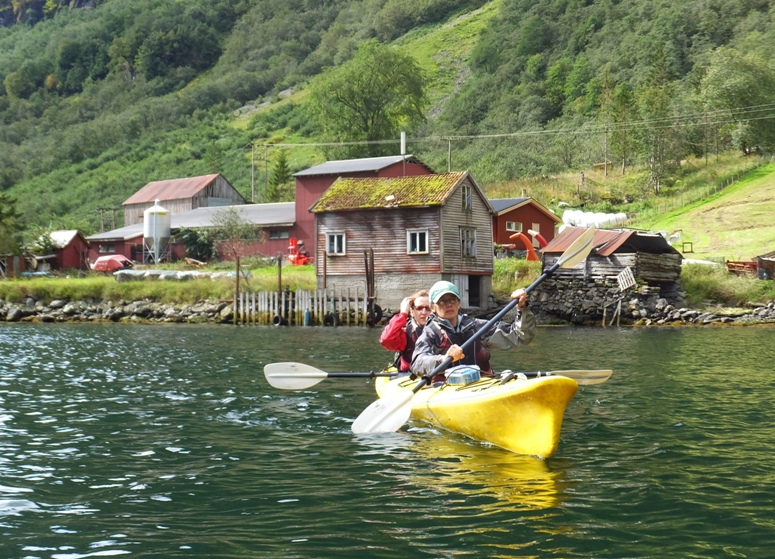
point(468, 242)
point(417, 234)
point(338, 241)
point(468, 196)
point(514, 226)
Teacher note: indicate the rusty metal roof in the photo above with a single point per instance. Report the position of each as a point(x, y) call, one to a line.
point(173, 189)
point(388, 192)
point(610, 241)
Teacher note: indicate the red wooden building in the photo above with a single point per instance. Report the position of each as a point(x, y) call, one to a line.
point(520, 215)
point(71, 250)
point(313, 182)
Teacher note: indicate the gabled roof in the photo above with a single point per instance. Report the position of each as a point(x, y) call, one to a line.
point(61, 239)
point(281, 214)
point(610, 241)
point(389, 192)
point(504, 205)
point(366, 164)
point(173, 189)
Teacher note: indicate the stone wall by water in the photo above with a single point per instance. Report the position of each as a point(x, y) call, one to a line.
point(561, 301)
point(109, 311)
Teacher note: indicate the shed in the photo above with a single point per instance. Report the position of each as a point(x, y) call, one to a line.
point(311, 183)
point(181, 195)
point(421, 229)
point(766, 265)
point(649, 256)
point(520, 215)
point(71, 250)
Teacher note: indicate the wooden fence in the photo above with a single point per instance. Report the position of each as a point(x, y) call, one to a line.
point(322, 307)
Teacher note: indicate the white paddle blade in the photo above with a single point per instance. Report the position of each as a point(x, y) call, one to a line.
point(385, 415)
point(293, 376)
point(578, 251)
point(585, 378)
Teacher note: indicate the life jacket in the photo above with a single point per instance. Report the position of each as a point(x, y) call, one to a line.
point(404, 358)
point(475, 355)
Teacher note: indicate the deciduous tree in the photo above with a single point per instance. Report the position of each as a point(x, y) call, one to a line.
point(373, 97)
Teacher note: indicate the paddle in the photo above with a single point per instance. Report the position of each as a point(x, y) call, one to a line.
point(298, 376)
point(391, 412)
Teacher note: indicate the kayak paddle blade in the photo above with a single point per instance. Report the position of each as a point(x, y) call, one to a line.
point(384, 415)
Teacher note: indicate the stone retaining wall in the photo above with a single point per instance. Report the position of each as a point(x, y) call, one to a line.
point(580, 302)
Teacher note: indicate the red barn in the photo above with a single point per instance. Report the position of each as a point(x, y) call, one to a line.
point(313, 182)
point(71, 250)
point(520, 215)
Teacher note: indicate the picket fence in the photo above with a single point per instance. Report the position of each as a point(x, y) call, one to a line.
point(321, 307)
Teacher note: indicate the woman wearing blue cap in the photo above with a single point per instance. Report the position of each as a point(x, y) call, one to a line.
point(447, 330)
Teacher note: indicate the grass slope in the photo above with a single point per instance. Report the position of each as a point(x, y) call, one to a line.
point(738, 223)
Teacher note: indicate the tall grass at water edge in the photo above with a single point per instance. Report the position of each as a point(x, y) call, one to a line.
point(705, 285)
point(102, 287)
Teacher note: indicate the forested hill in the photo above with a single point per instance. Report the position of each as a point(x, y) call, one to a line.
point(100, 97)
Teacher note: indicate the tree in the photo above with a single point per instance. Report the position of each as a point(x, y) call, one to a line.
point(373, 97)
point(232, 234)
point(739, 89)
point(281, 176)
point(654, 102)
point(10, 226)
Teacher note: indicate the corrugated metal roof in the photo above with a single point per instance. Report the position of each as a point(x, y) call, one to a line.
point(173, 189)
point(264, 215)
point(608, 241)
point(374, 193)
point(344, 166)
point(279, 214)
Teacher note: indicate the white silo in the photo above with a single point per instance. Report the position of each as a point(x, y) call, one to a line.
point(156, 231)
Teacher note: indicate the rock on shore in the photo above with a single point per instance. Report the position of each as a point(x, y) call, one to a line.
point(109, 311)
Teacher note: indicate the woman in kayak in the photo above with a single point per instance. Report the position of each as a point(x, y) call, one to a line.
point(402, 331)
point(447, 330)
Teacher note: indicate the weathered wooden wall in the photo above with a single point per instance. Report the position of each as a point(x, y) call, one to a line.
point(453, 217)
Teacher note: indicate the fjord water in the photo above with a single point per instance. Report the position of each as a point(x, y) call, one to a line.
point(166, 441)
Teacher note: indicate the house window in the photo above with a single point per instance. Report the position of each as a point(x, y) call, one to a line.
point(417, 242)
point(467, 198)
point(105, 249)
point(335, 243)
point(468, 242)
point(514, 227)
point(278, 234)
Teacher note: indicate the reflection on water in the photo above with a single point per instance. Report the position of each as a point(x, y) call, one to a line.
point(166, 442)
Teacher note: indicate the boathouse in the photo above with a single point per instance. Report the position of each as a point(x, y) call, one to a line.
point(405, 233)
point(622, 263)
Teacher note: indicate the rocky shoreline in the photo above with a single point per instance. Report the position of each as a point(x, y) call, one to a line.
point(645, 308)
point(109, 311)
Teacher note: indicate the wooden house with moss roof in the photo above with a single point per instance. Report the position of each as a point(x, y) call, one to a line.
point(420, 229)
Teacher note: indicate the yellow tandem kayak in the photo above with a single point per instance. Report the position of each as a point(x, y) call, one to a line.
point(523, 415)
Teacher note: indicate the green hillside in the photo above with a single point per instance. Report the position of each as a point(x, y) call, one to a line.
point(526, 95)
point(736, 224)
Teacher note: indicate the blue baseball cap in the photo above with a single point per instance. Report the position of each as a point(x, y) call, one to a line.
point(440, 288)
